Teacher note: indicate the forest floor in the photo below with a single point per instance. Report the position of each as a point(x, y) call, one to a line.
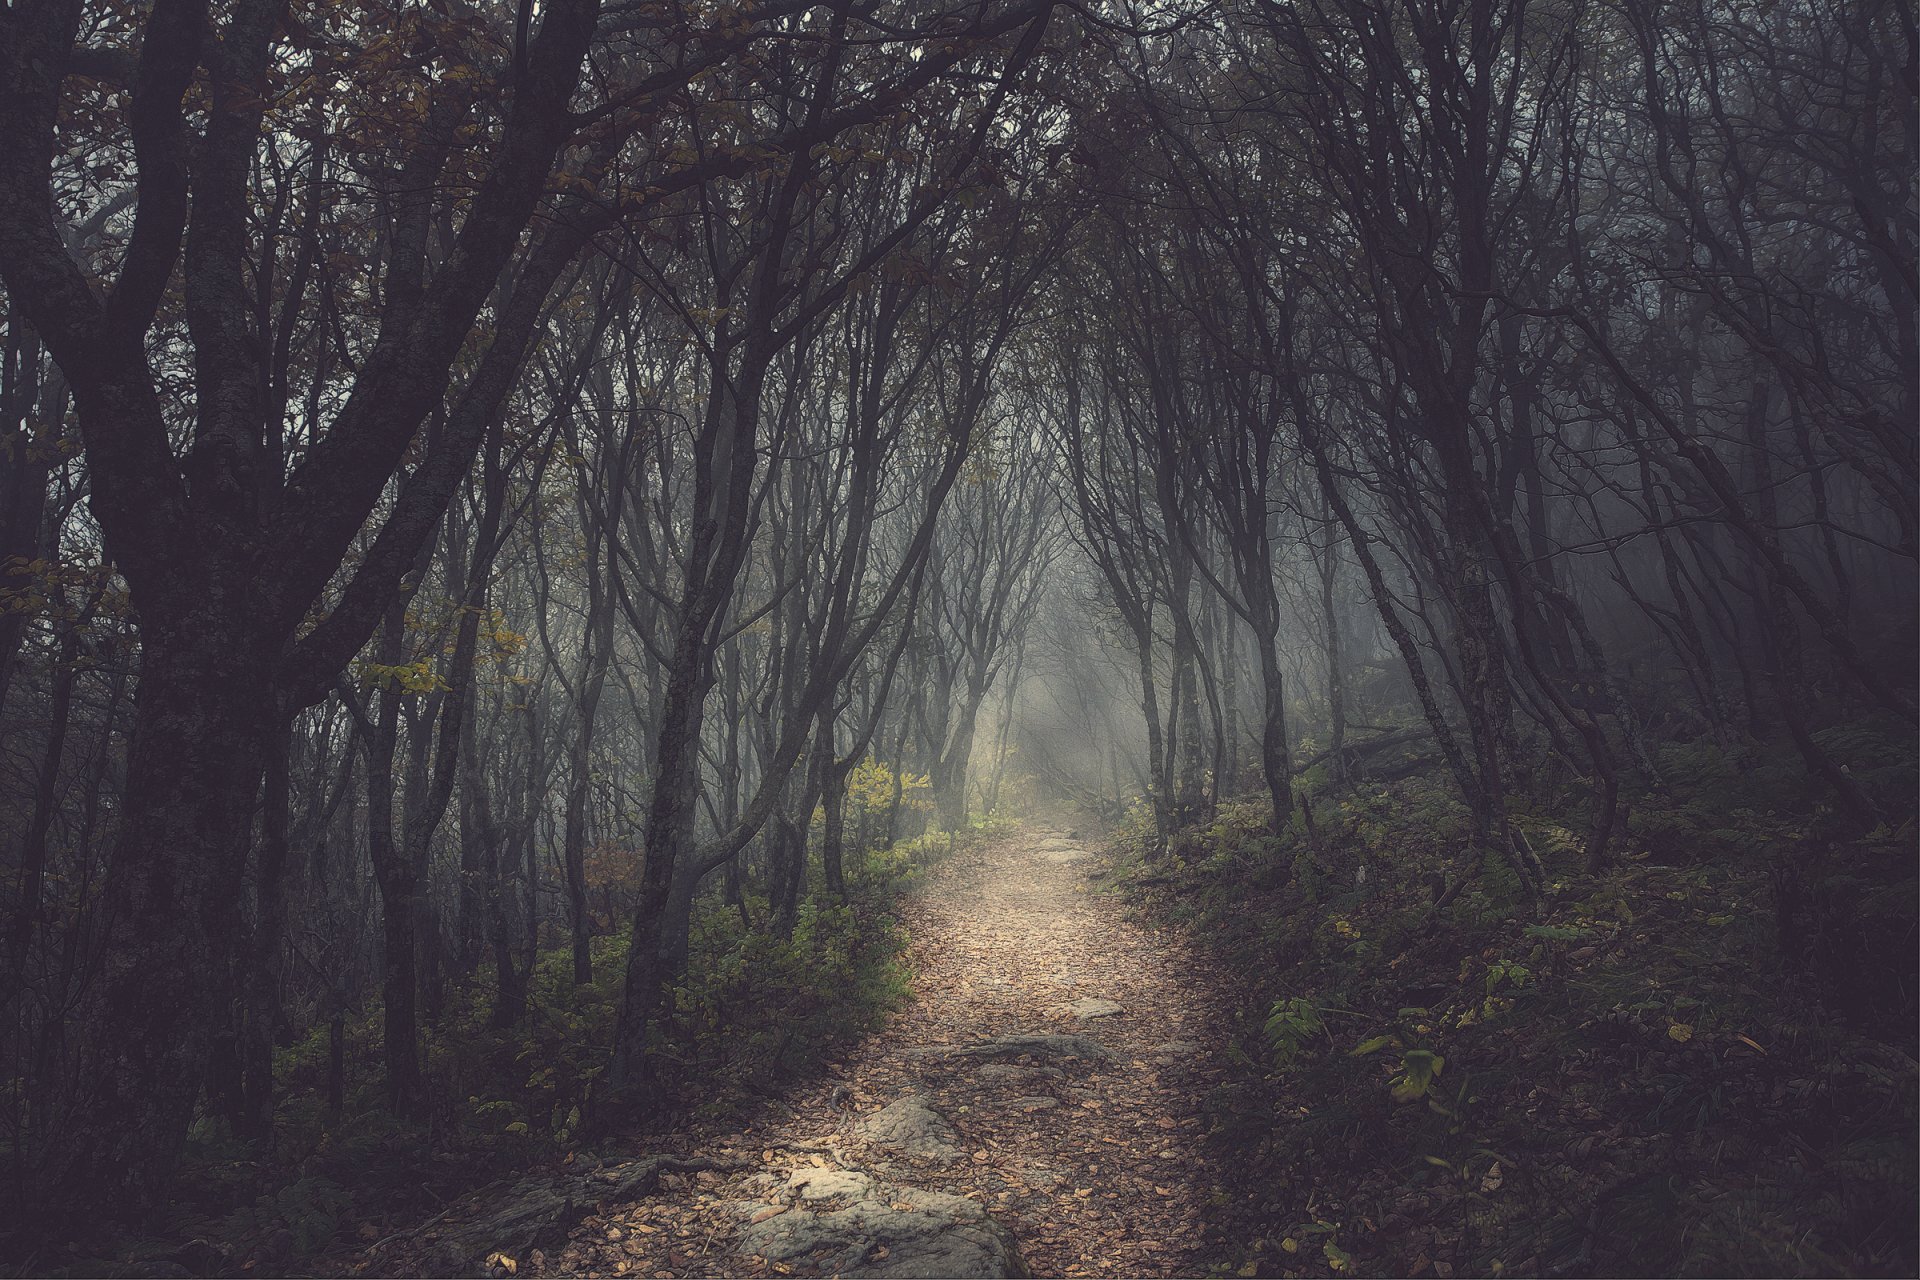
point(1050, 1069)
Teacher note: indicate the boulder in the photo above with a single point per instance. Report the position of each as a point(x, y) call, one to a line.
point(1087, 1008)
point(908, 1125)
point(869, 1227)
point(1174, 1051)
point(540, 1209)
point(1012, 1073)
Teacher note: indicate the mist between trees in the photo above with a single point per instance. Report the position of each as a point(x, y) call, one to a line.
point(479, 481)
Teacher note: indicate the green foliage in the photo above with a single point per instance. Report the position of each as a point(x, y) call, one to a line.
point(1692, 1064)
point(1291, 1024)
point(759, 1005)
point(755, 1006)
point(309, 1209)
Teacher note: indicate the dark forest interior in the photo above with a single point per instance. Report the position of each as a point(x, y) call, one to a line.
point(916, 637)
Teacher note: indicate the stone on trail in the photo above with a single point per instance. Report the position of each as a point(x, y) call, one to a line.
point(1060, 851)
point(1013, 1072)
point(1037, 1046)
point(878, 1229)
point(539, 1209)
point(908, 1125)
point(1088, 1007)
point(831, 1184)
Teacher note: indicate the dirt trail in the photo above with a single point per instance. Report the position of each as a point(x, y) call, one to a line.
point(1091, 1156)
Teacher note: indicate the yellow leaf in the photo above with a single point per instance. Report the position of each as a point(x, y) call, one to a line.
point(1251, 1269)
point(1290, 1245)
point(503, 1262)
point(1680, 1031)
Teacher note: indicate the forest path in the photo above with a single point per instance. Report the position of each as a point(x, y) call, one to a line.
point(982, 1092)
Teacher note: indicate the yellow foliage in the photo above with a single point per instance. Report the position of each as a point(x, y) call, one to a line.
point(871, 787)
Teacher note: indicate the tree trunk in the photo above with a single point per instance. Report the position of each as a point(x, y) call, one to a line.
point(1276, 757)
point(262, 1004)
point(202, 723)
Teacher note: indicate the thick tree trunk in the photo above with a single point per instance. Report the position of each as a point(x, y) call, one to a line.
point(1336, 667)
point(574, 848)
point(951, 770)
point(1483, 691)
point(262, 978)
point(400, 1032)
point(1156, 745)
point(651, 959)
point(833, 826)
point(202, 723)
point(1276, 756)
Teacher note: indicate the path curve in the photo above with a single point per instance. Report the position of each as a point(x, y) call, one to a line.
point(1093, 1167)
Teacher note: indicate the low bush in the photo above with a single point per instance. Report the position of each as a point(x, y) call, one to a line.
point(1696, 1063)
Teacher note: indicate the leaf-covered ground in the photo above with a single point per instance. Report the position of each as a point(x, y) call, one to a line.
point(1699, 1062)
point(1097, 1168)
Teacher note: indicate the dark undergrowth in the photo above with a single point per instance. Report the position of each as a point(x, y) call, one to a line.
point(1699, 1062)
point(759, 1010)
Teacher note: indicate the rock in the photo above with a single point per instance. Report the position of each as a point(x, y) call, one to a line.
point(883, 1230)
point(908, 1125)
point(1088, 1007)
point(1061, 857)
point(1039, 1102)
point(1032, 1045)
point(541, 1208)
point(1012, 1073)
point(831, 1184)
point(1173, 1051)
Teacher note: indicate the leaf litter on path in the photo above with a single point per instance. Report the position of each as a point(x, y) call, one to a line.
point(1094, 1155)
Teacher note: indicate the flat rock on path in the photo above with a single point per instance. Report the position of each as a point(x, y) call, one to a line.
point(972, 1136)
point(910, 1127)
point(1087, 1008)
point(848, 1223)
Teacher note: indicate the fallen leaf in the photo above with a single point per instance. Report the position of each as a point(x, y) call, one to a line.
point(503, 1262)
point(771, 1211)
point(980, 1157)
point(1493, 1179)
